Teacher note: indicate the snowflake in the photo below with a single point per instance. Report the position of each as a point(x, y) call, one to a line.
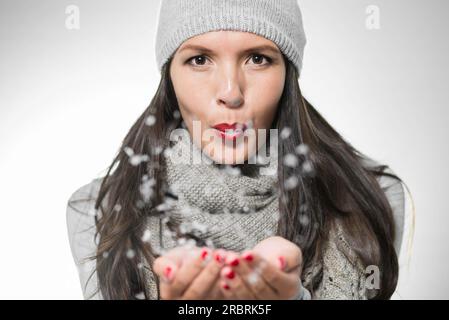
point(232, 171)
point(140, 295)
point(176, 114)
point(290, 160)
point(304, 220)
point(146, 188)
point(146, 236)
point(157, 150)
point(302, 149)
point(150, 120)
point(130, 253)
point(253, 278)
point(129, 151)
point(137, 159)
point(285, 133)
point(307, 167)
point(291, 183)
point(105, 254)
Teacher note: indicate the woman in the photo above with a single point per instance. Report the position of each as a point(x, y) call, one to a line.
point(322, 221)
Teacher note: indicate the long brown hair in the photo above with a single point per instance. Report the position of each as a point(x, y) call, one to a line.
point(340, 187)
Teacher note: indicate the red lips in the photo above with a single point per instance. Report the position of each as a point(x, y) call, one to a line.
point(225, 126)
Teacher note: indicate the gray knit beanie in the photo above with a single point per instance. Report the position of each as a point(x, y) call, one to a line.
point(277, 20)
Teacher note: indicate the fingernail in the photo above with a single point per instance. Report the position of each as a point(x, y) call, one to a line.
point(248, 256)
point(204, 254)
point(168, 273)
point(225, 286)
point(234, 262)
point(219, 258)
point(282, 262)
point(230, 274)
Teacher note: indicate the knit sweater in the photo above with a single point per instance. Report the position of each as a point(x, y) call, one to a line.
point(342, 275)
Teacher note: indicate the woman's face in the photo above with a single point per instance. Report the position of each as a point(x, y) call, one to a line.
point(228, 77)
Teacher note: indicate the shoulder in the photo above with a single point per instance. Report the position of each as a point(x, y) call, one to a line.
point(82, 198)
point(81, 226)
point(395, 192)
point(80, 219)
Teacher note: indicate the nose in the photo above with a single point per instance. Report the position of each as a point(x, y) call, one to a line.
point(230, 93)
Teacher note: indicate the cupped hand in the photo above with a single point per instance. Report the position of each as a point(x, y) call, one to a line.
point(270, 271)
point(190, 273)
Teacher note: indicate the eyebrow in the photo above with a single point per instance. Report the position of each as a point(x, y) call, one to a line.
point(209, 51)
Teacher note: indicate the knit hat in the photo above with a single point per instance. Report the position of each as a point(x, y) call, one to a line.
point(277, 20)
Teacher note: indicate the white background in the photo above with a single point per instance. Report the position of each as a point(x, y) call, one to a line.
point(68, 97)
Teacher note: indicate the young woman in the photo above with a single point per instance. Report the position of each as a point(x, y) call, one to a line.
point(318, 220)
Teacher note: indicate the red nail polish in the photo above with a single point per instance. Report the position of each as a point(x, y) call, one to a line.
point(282, 263)
point(234, 262)
point(230, 274)
point(218, 258)
point(225, 286)
point(204, 254)
point(248, 257)
point(168, 272)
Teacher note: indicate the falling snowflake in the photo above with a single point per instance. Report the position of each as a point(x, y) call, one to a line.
point(253, 278)
point(117, 207)
point(232, 171)
point(290, 160)
point(307, 167)
point(150, 120)
point(176, 114)
point(285, 133)
point(130, 253)
point(304, 220)
point(157, 150)
point(129, 151)
point(146, 188)
point(168, 152)
point(105, 254)
point(181, 241)
point(137, 159)
point(146, 236)
point(302, 149)
point(291, 183)
point(140, 296)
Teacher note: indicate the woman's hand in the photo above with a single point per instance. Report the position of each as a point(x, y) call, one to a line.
point(190, 273)
point(271, 270)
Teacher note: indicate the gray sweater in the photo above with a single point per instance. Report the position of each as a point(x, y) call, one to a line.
point(343, 275)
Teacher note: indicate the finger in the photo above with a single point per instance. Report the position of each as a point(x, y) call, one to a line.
point(165, 269)
point(251, 277)
point(192, 265)
point(233, 286)
point(204, 282)
point(172, 258)
point(282, 283)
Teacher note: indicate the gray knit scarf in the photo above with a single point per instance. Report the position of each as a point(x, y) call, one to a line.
point(230, 207)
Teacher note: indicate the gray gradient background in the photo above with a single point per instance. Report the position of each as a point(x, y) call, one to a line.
point(68, 97)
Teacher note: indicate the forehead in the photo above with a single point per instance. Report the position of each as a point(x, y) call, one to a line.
point(235, 41)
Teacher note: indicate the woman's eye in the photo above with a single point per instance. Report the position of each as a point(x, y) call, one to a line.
point(199, 60)
point(258, 58)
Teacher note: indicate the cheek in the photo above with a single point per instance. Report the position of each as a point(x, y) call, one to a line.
point(266, 96)
point(193, 98)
